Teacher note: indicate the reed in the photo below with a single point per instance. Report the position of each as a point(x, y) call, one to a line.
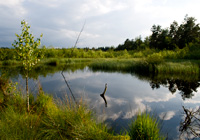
point(178, 68)
point(60, 61)
point(150, 65)
point(145, 127)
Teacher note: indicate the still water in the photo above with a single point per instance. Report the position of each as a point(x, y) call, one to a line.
point(126, 94)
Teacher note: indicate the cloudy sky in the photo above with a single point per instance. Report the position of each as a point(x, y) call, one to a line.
point(107, 22)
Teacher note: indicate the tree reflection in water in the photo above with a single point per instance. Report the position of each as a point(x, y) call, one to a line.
point(186, 88)
point(190, 126)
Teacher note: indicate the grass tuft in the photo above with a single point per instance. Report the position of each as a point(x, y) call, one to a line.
point(145, 127)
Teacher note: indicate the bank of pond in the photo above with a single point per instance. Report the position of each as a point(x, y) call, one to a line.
point(52, 118)
point(148, 65)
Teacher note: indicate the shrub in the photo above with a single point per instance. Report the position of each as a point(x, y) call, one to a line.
point(138, 55)
point(155, 58)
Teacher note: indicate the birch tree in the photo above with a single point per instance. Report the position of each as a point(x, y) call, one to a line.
point(27, 51)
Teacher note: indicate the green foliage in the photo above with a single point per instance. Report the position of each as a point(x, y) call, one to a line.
point(175, 36)
point(178, 68)
point(26, 47)
point(138, 54)
point(155, 58)
point(134, 44)
point(7, 54)
point(145, 127)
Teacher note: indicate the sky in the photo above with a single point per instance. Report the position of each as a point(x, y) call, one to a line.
point(107, 22)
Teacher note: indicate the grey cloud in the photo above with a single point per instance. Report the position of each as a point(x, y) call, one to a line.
point(107, 22)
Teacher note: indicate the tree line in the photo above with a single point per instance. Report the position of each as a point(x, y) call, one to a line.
point(171, 38)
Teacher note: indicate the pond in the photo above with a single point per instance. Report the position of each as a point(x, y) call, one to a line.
point(126, 95)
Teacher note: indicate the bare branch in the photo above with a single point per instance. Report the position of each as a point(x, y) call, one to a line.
point(79, 34)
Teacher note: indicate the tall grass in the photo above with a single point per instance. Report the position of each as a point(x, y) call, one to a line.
point(145, 127)
point(149, 65)
point(178, 68)
point(59, 61)
point(16, 125)
point(49, 120)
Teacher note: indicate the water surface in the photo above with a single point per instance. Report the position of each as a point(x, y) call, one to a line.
point(126, 94)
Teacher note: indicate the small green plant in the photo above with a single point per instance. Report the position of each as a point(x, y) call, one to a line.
point(145, 127)
point(27, 51)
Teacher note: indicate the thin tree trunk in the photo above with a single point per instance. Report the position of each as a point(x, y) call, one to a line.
point(27, 93)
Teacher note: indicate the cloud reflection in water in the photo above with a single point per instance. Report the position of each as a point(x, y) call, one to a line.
point(126, 95)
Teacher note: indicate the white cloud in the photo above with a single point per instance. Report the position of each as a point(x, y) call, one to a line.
point(195, 100)
point(74, 34)
point(97, 7)
point(162, 97)
point(167, 115)
point(12, 8)
point(9, 3)
point(116, 107)
point(115, 116)
point(141, 5)
point(48, 3)
point(116, 101)
point(138, 107)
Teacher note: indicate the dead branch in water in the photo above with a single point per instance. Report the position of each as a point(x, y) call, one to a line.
point(103, 95)
point(191, 124)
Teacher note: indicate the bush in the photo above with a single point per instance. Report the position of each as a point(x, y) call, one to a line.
point(155, 58)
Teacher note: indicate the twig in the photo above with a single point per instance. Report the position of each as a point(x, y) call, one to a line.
point(69, 87)
point(191, 122)
point(79, 34)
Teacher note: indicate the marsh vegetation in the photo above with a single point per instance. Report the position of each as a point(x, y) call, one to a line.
point(163, 60)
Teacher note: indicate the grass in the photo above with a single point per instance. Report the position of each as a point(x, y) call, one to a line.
point(48, 119)
point(145, 127)
point(123, 65)
point(60, 61)
point(178, 68)
point(149, 65)
point(49, 61)
point(10, 63)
